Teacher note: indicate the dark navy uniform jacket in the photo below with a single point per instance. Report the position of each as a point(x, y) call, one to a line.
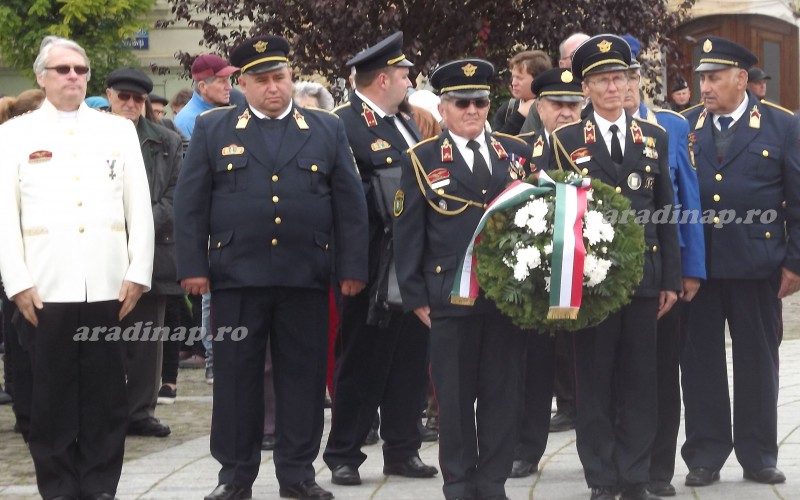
point(429, 244)
point(539, 150)
point(643, 178)
point(260, 214)
point(760, 171)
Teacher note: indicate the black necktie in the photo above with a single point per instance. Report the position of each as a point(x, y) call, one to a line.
point(616, 149)
point(479, 168)
point(724, 122)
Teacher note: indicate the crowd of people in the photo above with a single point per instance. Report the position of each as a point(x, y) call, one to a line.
point(318, 247)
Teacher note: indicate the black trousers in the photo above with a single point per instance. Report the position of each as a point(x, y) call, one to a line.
point(615, 380)
point(79, 412)
point(537, 396)
point(296, 321)
point(379, 367)
point(476, 358)
point(753, 312)
point(19, 373)
point(563, 384)
point(671, 329)
point(143, 357)
point(171, 348)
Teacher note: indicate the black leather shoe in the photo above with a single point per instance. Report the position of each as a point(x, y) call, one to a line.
point(413, 467)
point(229, 492)
point(661, 489)
point(562, 422)
point(701, 476)
point(345, 475)
point(149, 426)
point(638, 492)
point(522, 468)
point(767, 475)
point(371, 438)
point(602, 493)
point(268, 442)
point(305, 490)
point(99, 496)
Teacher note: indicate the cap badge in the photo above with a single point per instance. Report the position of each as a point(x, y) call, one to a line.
point(566, 76)
point(604, 46)
point(469, 69)
point(260, 46)
point(707, 46)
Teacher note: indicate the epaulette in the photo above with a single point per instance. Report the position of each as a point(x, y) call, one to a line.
point(341, 106)
point(217, 109)
point(664, 110)
point(500, 134)
point(420, 143)
point(322, 110)
point(691, 108)
point(776, 106)
point(650, 123)
point(526, 134)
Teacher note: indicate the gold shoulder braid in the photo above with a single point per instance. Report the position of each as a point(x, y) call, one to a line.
point(423, 182)
point(560, 147)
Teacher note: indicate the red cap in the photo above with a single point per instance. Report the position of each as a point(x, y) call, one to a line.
point(209, 65)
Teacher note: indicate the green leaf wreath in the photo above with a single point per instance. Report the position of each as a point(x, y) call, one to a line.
point(523, 293)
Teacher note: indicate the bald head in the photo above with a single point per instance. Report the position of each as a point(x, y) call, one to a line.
point(568, 46)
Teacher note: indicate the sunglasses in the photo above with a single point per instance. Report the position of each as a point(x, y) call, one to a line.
point(464, 103)
point(125, 96)
point(64, 69)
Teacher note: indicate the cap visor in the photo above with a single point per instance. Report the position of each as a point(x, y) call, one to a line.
point(564, 98)
point(227, 70)
point(607, 68)
point(405, 63)
point(264, 67)
point(130, 87)
point(711, 67)
point(467, 94)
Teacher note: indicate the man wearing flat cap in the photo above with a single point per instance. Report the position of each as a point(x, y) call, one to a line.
point(475, 352)
point(384, 349)
point(273, 189)
point(615, 361)
point(558, 102)
point(757, 82)
point(127, 89)
point(211, 80)
point(693, 270)
point(748, 165)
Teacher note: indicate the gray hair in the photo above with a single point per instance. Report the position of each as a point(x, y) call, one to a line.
point(47, 45)
point(315, 90)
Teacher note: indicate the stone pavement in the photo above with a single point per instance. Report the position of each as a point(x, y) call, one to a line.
point(187, 470)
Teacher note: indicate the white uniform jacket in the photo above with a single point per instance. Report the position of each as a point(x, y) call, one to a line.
point(75, 211)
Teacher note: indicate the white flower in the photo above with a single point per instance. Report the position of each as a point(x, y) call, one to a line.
point(548, 249)
point(596, 228)
point(595, 270)
point(520, 271)
point(530, 256)
point(547, 283)
point(508, 262)
point(521, 218)
point(532, 215)
point(589, 195)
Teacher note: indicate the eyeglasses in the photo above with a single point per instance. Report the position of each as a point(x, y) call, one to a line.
point(64, 69)
point(125, 96)
point(464, 103)
point(602, 84)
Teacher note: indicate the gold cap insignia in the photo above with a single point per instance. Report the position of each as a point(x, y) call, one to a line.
point(566, 76)
point(707, 46)
point(260, 46)
point(604, 46)
point(469, 69)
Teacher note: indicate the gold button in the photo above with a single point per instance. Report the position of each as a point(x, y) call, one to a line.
point(438, 269)
point(716, 220)
point(483, 191)
point(80, 203)
point(440, 191)
point(219, 244)
point(767, 235)
point(275, 199)
point(326, 246)
point(389, 160)
point(765, 153)
point(718, 177)
point(655, 248)
point(274, 178)
point(485, 205)
point(716, 197)
point(618, 189)
point(74, 155)
point(585, 171)
point(230, 166)
point(278, 220)
point(71, 132)
point(647, 168)
point(80, 229)
point(783, 204)
point(77, 177)
point(274, 242)
point(314, 168)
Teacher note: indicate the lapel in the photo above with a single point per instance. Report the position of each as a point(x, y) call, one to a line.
point(250, 136)
point(293, 139)
point(500, 174)
point(598, 150)
point(458, 167)
point(705, 141)
point(383, 129)
point(411, 125)
point(633, 151)
point(744, 133)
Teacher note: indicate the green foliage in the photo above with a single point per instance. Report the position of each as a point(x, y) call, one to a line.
point(98, 26)
point(527, 302)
